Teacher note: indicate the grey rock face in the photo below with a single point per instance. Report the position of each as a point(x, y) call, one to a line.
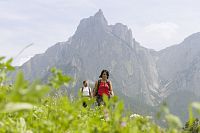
point(179, 67)
point(136, 72)
point(96, 46)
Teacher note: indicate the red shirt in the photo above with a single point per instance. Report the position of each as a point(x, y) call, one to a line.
point(104, 88)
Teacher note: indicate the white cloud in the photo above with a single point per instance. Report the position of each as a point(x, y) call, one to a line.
point(165, 30)
point(159, 35)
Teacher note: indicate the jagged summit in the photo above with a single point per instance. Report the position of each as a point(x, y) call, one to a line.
point(97, 27)
point(99, 17)
point(99, 14)
point(123, 32)
point(94, 23)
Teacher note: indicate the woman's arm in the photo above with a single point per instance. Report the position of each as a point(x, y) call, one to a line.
point(111, 89)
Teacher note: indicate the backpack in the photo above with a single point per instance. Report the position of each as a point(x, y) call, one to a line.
point(89, 90)
point(98, 84)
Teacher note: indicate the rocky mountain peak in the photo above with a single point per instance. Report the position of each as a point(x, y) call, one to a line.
point(123, 32)
point(99, 15)
point(96, 23)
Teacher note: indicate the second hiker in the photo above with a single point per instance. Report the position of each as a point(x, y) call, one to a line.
point(85, 92)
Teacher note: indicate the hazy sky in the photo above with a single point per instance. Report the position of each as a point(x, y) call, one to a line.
point(155, 24)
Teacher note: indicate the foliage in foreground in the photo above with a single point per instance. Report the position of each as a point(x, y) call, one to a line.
point(26, 107)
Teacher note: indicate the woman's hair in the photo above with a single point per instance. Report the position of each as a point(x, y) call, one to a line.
point(107, 73)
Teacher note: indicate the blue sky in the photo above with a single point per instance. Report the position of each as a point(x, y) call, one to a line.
point(156, 24)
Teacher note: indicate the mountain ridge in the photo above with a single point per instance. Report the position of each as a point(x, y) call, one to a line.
point(136, 72)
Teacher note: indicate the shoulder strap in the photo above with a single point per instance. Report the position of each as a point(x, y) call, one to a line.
point(98, 84)
point(82, 89)
point(89, 90)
